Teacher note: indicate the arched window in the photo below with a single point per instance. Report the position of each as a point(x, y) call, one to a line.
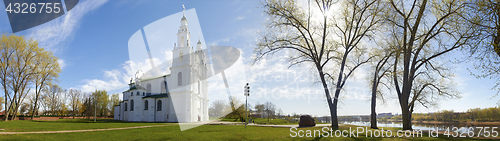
point(125, 106)
point(182, 41)
point(181, 56)
point(148, 88)
point(179, 79)
point(146, 105)
point(158, 105)
point(143, 94)
point(131, 105)
point(163, 88)
point(131, 93)
point(138, 93)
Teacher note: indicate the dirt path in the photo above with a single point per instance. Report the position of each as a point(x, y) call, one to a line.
point(71, 131)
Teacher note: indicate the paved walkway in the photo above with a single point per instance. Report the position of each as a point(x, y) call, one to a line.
point(71, 131)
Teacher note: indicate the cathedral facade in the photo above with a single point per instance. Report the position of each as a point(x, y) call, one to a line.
point(180, 96)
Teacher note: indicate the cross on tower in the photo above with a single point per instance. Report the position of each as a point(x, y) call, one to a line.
point(184, 9)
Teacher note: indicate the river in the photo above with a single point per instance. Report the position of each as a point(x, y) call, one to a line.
point(459, 127)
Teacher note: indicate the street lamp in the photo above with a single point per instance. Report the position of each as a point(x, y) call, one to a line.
point(95, 110)
point(247, 93)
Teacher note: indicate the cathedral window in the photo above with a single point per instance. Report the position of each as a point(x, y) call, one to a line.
point(181, 56)
point(179, 79)
point(163, 88)
point(131, 105)
point(146, 105)
point(182, 41)
point(158, 107)
point(148, 88)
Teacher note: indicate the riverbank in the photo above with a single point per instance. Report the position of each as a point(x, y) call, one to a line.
point(459, 122)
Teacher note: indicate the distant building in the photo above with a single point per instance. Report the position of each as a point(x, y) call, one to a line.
point(255, 115)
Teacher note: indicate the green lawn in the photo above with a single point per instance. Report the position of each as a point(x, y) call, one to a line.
point(271, 121)
point(264, 121)
point(172, 132)
point(65, 124)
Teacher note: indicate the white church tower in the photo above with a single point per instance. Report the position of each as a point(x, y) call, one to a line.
point(180, 96)
point(189, 69)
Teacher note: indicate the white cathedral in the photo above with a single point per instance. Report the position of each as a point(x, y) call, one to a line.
point(180, 96)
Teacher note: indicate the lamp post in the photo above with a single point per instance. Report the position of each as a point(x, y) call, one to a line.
point(95, 110)
point(247, 93)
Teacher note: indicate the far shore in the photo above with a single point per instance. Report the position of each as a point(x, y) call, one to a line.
point(459, 122)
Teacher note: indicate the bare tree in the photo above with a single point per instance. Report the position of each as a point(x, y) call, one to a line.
point(484, 15)
point(52, 98)
point(20, 72)
point(279, 113)
point(75, 98)
point(47, 71)
point(20, 62)
point(260, 109)
point(218, 108)
point(324, 42)
point(359, 20)
point(424, 31)
point(1, 101)
point(381, 69)
point(269, 109)
point(113, 101)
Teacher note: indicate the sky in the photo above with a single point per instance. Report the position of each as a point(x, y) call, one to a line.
point(92, 44)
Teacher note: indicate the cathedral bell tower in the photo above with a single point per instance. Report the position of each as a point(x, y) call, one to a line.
point(182, 55)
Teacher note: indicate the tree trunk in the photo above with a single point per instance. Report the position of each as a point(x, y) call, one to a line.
point(373, 115)
point(406, 115)
point(333, 107)
point(340, 80)
point(6, 111)
point(14, 113)
point(34, 107)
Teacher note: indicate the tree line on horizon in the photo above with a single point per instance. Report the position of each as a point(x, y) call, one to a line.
point(28, 78)
point(473, 114)
point(404, 43)
point(220, 108)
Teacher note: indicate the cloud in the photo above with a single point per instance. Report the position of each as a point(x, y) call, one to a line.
point(240, 18)
point(216, 42)
point(51, 34)
point(116, 80)
point(62, 63)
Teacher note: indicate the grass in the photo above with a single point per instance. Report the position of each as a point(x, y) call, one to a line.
point(264, 121)
point(271, 121)
point(65, 124)
point(172, 132)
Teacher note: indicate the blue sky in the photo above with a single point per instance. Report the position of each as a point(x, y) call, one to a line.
point(92, 44)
